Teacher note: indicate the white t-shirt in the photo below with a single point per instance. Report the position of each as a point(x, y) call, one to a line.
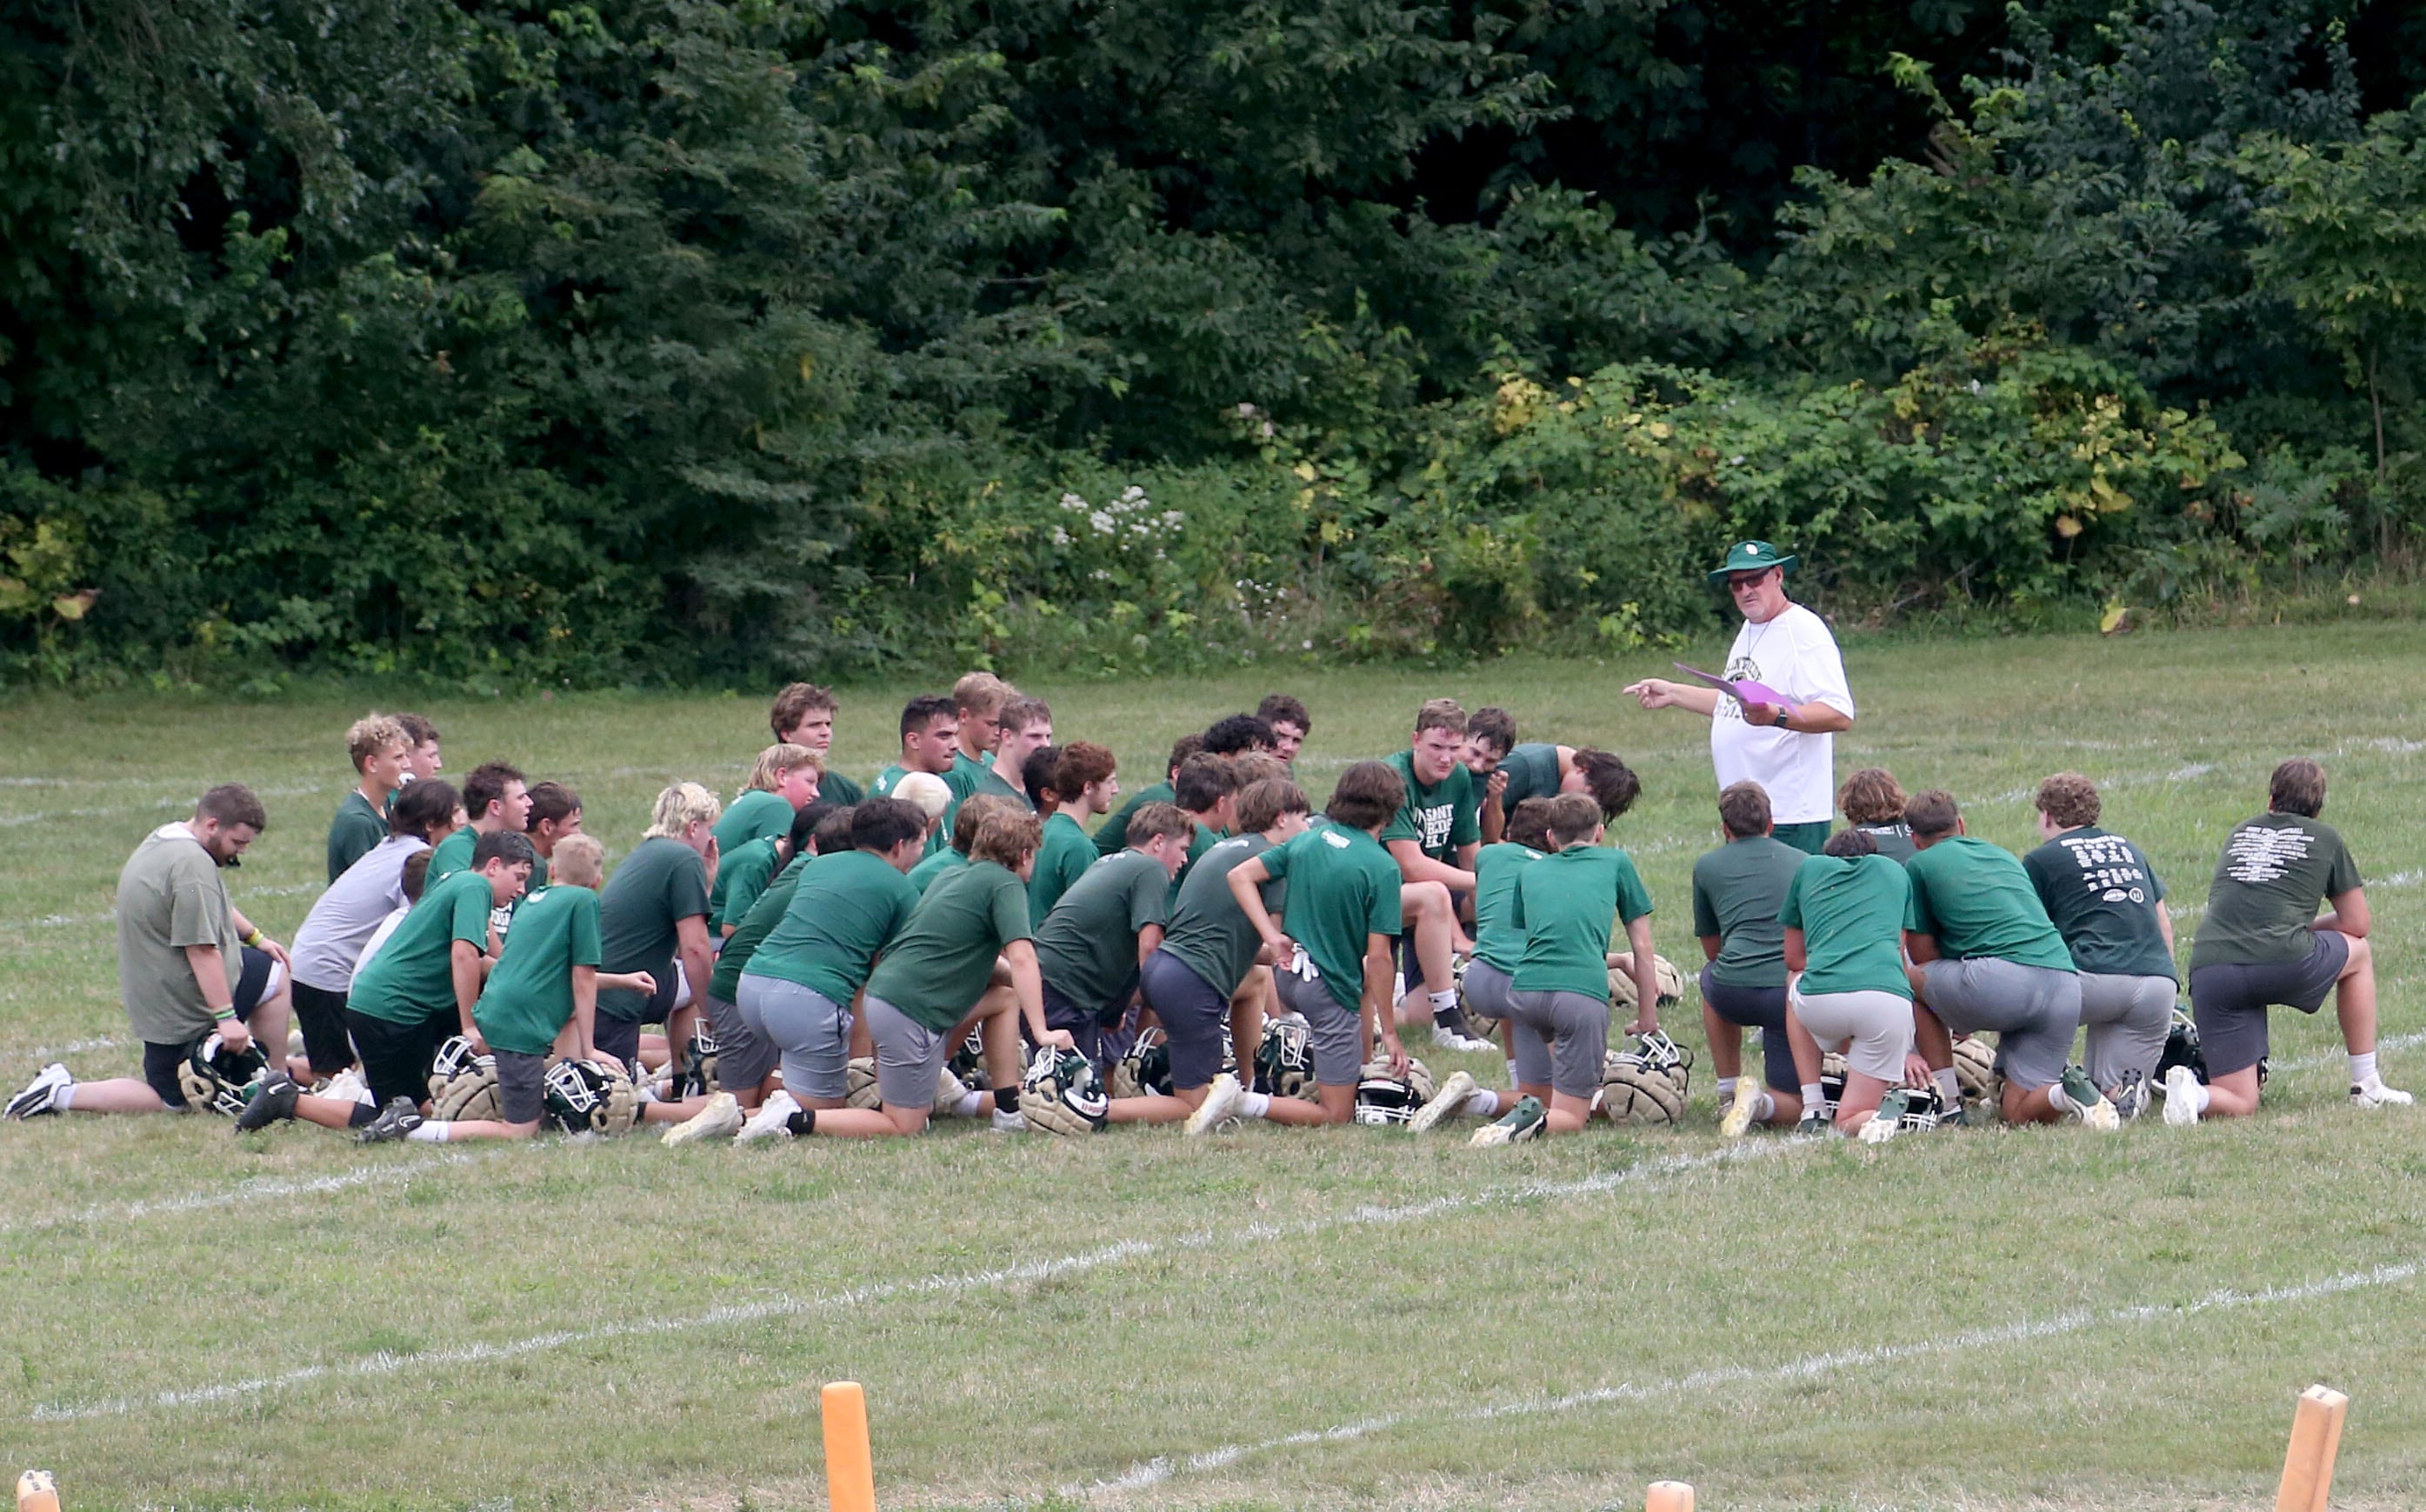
point(327, 950)
point(1793, 654)
point(379, 938)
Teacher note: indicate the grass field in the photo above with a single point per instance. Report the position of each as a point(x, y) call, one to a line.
point(1983, 1319)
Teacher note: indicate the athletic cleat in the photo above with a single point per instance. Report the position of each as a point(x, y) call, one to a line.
point(2130, 1097)
point(2089, 1105)
point(1526, 1121)
point(1812, 1123)
point(1221, 1102)
point(1957, 1116)
point(1737, 1117)
point(1012, 1122)
point(271, 1102)
point(395, 1121)
point(41, 1094)
point(1446, 1103)
point(774, 1120)
point(1888, 1122)
point(2181, 1096)
point(1444, 1038)
point(720, 1119)
point(2372, 1093)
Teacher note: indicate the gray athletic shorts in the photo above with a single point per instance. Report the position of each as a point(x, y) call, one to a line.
point(1561, 1038)
point(2127, 1019)
point(909, 1056)
point(803, 1029)
point(1762, 1009)
point(2033, 1010)
point(744, 1056)
point(521, 1095)
point(1874, 1029)
point(1338, 1036)
point(2229, 1002)
point(1486, 991)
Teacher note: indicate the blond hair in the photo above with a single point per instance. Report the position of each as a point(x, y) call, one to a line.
point(680, 806)
point(777, 762)
point(926, 792)
point(982, 694)
point(372, 733)
point(579, 861)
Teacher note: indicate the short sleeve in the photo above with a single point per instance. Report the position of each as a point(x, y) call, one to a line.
point(1465, 826)
point(2038, 868)
point(193, 913)
point(469, 921)
point(1011, 911)
point(1276, 857)
point(1384, 914)
point(1402, 823)
point(2156, 883)
point(1820, 668)
point(2345, 873)
point(581, 930)
point(1789, 912)
point(1917, 916)
point(687, 889)
point(1516, 903)
point(1633, 899)
point(1149, 898)
point(1706, 912)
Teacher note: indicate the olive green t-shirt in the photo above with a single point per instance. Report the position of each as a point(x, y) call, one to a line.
point(1533, 771)
point(1112, 835)
point(940, 963)
point(1977, 901)
point(2274, 871)
point(741, 874)
point(742, 945)
point(1850, 910)
point(967, 779)
point(1087, 947)
point(1498, 939)
point(413, 977)
point(1208, 931)
point(754, 815)
point(1565, 904)
point(1062, 857)
point(171, 895)
point(846, 909)
point(451, 855)
point(833, 787)
point(1343, 889)
point(660, 884)
point(938, 864)
point(357, 829)
point(529, 995)
point(1205, 838)
point(1736, 889)
point(1893, 839)
point(1439, 818)
point(2103, 897)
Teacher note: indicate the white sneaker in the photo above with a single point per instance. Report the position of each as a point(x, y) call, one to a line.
point(720, 1119)
point(2181, 1096)
point(1737, 1117)
point(774, 1120)
point(1444, 1038)
point(41, 1094)
point(2372, 1093)
point(1221, 1101)
point(347, 1087)
point(1445, 1103)
point(1009, 1122)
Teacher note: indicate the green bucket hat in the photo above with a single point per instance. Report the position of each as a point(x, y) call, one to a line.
point(1750, 556)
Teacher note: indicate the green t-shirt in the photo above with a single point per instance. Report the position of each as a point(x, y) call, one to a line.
point(1112, 835)
point(1062, 857)
point(356, 831)
point(967, 779)
point(1533, 771)
point(413, 977)
point(1208, 931)
point(1497, 941)
point(659, 885)
point(1207, 837)
point(452, 855)
point(1850, 910)
point(940, 962)
point(741, 874)
point(171, 894)
point(1565, 904)
point(1893, 839)
point(1343, 887)
point(1086, 946)
point(938, 864)
point(1439, 818)
point(1977, 901)
point(754, 815)
point(833, 787)
point(846, 909)
point(529, 995)
point(2275, 869)
point(2103, 897)
point(764, 915)
point(1736, 888)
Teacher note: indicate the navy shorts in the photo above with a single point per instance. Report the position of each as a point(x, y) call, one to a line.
point(1762, 1009)
point(1085, 1025)
point(618, 1038)
point(1192, 1012)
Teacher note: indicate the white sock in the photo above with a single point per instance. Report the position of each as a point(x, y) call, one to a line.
point(433, 1133)
point(1727, 1090)
point(1255, 1104)
point(644, 1092)
point(2362, 1070)
point(2057, 1100)
point(1483, 1104)
point(2199, 1096)
point(1950, 1090)
point(969, 1106)
point(1444, 1002)
point(1814, 1099)
point(64, 1098)
point(1764, 1108)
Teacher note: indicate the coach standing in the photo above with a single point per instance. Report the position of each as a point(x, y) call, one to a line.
point(1789, 748)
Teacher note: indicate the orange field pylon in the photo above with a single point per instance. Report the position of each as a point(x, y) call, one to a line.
point(2316, 1438)
point(851, 1467)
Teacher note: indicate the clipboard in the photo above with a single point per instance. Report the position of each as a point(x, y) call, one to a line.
point(1744, 690)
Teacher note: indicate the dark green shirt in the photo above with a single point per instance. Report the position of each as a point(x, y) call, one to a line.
point(1532, 772)
point(1113, 834)
point(1565, 904)
point(660, 884)
point(937, 864)
point(1977, 900)
point(1736, 889)
point(452, 855)
point(1343, 889)
point(846, 909)
point(754, 815)
point(2103, 897)
point(1498, 940)
point(1205, 838)
point(1061, 859)
point(1893, 839)
point(741, 874)
point(356, 831)
point(413, 977)
point(529, 995)
point(764, 915)
point(2275, 869)
point(940, 963)
point(1208, 931)
point(1086, 946)
point(1439, 818)
point(833, 787)
point(1850, 910)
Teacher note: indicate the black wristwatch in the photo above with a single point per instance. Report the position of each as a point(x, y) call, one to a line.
point(1785, 712)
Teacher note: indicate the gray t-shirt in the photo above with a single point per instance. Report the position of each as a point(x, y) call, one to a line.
point(169, 896)
point(329, 946)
